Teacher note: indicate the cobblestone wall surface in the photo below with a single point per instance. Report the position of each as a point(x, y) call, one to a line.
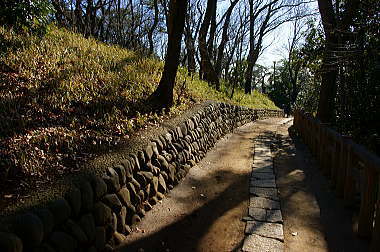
point(99, 212)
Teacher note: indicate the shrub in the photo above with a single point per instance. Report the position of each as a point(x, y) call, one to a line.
point(25, 15)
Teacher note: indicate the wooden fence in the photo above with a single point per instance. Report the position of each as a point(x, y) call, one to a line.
point(353, 170)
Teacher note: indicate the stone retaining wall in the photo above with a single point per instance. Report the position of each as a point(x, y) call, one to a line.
point(99, 212)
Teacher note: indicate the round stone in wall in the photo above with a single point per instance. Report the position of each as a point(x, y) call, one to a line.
point(10, 243)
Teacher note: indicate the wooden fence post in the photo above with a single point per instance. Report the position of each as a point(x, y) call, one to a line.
point(336, 165)
point(375, 242)
point(349, 182)
point(322, 145)
point(341, 172)
point(340, 157)
point(317, 141)
point(329, 153)
point(367, 204)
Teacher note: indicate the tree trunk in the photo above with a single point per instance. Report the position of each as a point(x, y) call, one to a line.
point(222, 45)
point(151, 30)
point(336, 34)
point(248, 73)
point(131, 39)
point(254, 49)
point(58, 12)
point(190, 45)
point(210, 43)
point(88, 21)
point(208, 70)
point(166, 14)
point(78, 16)
point(295, 89)
point(328, 86)
point(163, 95)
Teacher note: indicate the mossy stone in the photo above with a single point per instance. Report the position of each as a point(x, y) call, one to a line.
point(113, 202)
point(87, 196)
point(102, 214)
point(61, 210)
point(87, 223)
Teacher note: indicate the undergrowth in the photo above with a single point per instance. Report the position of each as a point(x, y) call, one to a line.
point(63, 97)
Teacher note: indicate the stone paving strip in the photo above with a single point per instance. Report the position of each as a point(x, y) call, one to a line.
point(264, 230)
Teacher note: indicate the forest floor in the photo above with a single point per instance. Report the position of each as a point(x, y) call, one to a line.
point(205, 211)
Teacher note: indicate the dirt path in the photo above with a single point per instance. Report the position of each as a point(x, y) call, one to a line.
point(205, 211)
point(314, 219)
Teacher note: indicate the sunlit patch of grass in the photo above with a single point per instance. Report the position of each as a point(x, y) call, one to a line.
point(255, 100)
point(63, 95)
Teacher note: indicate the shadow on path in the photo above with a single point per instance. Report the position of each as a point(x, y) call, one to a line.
point(185, 234)
point(310, 207)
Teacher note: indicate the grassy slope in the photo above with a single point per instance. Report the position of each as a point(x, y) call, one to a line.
point(63, 96)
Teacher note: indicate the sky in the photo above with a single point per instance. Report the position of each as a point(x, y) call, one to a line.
point(278, 39)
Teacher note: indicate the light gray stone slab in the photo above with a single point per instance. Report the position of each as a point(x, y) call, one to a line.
point(268, 183)
point(257, 243)
point(265, 215)
point(274, 216)
point(262, 176)
point(265, 203)
point(259, 149)
point(266, 229)
point(262, 164)
point(264, 142)
point(262, 158)
point(263, 161)
point(264, 150)
point(258, 214)
point(263, 169)
point(247, 218)
point(270, 193)
point(261, 145)
point(262, 153)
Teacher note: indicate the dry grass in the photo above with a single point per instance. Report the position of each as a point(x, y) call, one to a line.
point(62, 97)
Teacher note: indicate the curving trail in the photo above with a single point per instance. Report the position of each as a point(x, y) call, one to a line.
point(208, 210)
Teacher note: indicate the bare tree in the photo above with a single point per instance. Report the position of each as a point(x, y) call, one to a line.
point(336, 28)
point(266, 16)
point(255, 48)
point(235, 50)
point(224, 39)
point(208, 70)
point(192, 26)
point(294, 64)
point(154, 25)
point(162, 97)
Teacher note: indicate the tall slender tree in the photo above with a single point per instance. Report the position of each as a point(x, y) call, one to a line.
point(330, 70)
point(162, 97)
point(336, 25)
point(208, 70)
point(255, 46)
point(154, 25)
point(224, 39)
